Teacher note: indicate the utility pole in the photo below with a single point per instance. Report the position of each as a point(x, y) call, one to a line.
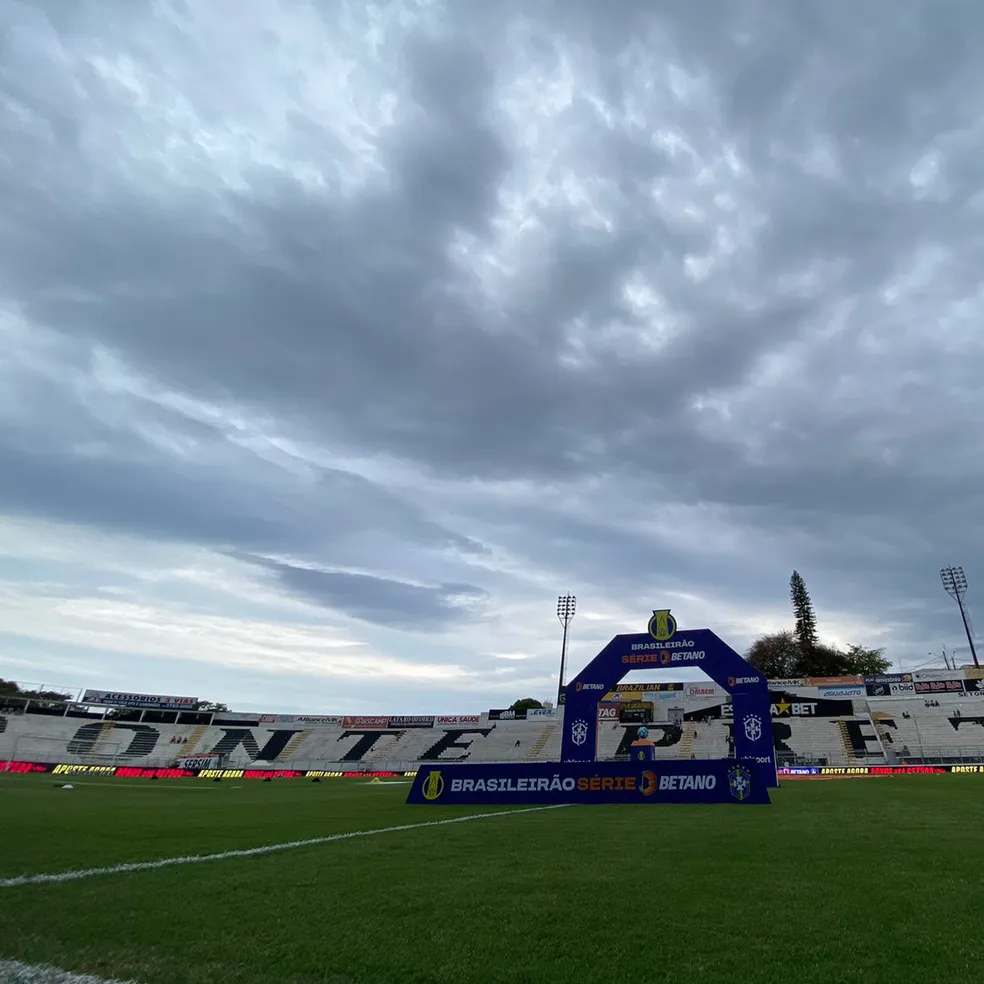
point(566, 605)
point(955, 585)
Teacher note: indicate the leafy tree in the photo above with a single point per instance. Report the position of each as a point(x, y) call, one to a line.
point(8, 688)
point(822, 660)
point(526, 704)
point(866, 662)
point(210, 705)
point(779, 654)
point(806, 619)
point(775, 655)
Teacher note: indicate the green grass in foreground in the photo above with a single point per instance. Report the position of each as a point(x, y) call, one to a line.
point(857, 880)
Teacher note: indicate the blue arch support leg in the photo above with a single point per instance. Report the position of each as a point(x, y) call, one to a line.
point(667, 647)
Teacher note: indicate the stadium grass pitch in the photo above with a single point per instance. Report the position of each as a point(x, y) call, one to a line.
point(873, 880)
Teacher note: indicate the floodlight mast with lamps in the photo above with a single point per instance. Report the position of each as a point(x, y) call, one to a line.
point(566, 605)
point(955, 585)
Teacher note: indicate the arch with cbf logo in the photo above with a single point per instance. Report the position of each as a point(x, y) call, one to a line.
point(579, 778)
point(666, 646)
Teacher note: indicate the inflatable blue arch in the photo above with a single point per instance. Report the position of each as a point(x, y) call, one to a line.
point(580, 778)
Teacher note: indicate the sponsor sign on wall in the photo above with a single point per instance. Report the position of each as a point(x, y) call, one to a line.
point(635, 691)
point(540, 712)
point(974, 688)
point(935, 675)
point(846, 691)
point(458, 719)
point(208, 761)
point(649, 687)
point(889, 678)
point(365, 722)
point(703, 690)
point(507, 714)
point(608, 712)
point(789, 682)
point(841, 681)
point(939, 686)
point(621, 696)
point(159, 702)
point(974, 672)
point(878, 689)
point(411, 721)
point(890, 689)
point(300, 719)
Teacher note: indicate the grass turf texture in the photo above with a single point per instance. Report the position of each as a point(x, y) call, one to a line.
point(872, 880)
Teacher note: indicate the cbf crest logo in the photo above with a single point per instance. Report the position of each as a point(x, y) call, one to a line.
point(579, 732)
point(739, 782)
point(662, 626)
point(433, 786)
point(753, 727)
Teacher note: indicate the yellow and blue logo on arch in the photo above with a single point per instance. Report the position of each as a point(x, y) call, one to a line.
point(662, 626)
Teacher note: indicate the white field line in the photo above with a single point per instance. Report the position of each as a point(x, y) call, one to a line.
point(249, 852)
point(13, 972)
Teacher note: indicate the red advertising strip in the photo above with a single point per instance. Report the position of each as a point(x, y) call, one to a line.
point(135, 772)
point(272, 774)
point(459, 719)
point(365, 722)
point(939, 686)
point(372, 775)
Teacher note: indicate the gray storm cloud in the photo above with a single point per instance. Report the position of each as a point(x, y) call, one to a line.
point(649, 296)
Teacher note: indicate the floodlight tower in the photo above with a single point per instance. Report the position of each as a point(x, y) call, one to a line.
point(955, 585)
point(566, 604)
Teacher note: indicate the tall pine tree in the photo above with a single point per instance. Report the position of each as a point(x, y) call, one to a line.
point(806, 619)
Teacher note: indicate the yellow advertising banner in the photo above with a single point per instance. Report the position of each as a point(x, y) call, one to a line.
point(621, 696)
point(974, 672)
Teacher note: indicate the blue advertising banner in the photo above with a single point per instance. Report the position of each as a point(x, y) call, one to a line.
point(676, 781)
point(667, 645)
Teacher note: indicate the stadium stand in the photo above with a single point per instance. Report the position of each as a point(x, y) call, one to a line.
point(811, 725)
point(917, 731)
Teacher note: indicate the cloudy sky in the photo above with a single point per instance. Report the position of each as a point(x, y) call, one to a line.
point(337, 339)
